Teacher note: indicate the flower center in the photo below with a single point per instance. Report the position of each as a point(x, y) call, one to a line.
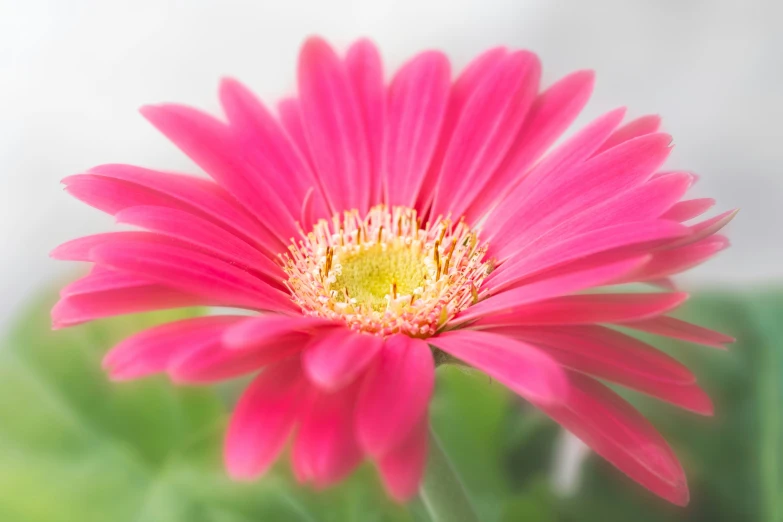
point(385, 273)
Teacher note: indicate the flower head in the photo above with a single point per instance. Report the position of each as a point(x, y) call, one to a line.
point(375, 226)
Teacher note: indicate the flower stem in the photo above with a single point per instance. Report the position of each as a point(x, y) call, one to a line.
point(442, 494)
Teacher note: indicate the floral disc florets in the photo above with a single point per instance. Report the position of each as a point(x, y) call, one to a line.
point(385, 273)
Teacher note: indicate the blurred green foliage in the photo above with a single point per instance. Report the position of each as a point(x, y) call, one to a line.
point(76, 447)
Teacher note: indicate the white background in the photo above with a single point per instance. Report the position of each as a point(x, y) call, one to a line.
point(73, 73)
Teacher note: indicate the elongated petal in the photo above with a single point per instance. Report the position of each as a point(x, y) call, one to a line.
point(290, 113)
point(210, 144)
point(201, 196)
point(633, 129)
point(269, 149)
point(192, 273)
point(559, 163)
point(512, 300)
point(80, 249)
point(325, 450)
point(588, 309)
point(487, 127)
point(263, 420)
point(706, 228)
point(152, 350)
point(202, 234)
point(552, 113)
point(125, 298)
point(395, 394)
point(365, 73)
point(214, 362)
point(644, 202)
point(689, 209)
point(610, 349)
point(574, 190)
point(417, 101)
point(403, 468)
point(669, 262)
point(100, 279)
point(523, 368)
point(334, 128)
point(260, 330)
point(466, 84)
point(678, 329)
point(617, 432)
point(610, 355)
point(619, 238)
point(337, 356)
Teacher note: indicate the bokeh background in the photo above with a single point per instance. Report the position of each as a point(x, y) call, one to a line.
point(73, 73)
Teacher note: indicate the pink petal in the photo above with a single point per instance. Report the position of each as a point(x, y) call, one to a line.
point(325, 450)
point(395, 394)
point(215, 362)
point(685, 210)
point(633, 129)
point(560, 163)
point(365, 72)
point(263, 419)
point(571, 191)
point(552, 113)
point(669, 262)
point(126, 298)
point(618, 238)
point(112, 195)
point(290, 114)
point(403, 468)
point(510, 301)
point(643, 202)
point(463, 88)
point(599, 347)
point(617, 432)
point(336, 357)
point(80, 249)
point(486, 129)
point(262, 329)
point(101, 279)
point(194, 195)
point(526, 370)
point(677, 329)
point(152, 350)
point(210, 144)
point(706, 228)
point(268, 147)
point(203, 234)
point(192, 273)
point(334, 128)
point(417, 101)
point(588, 309)
point(610, 355)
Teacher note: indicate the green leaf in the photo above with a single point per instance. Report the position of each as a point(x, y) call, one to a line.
point(75, 446)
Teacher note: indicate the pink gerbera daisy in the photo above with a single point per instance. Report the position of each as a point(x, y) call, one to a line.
point(380, 228)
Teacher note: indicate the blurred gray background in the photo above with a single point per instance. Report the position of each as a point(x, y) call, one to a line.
point(73, 73)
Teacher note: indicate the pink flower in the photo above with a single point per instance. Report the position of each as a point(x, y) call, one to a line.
point(380, 227)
